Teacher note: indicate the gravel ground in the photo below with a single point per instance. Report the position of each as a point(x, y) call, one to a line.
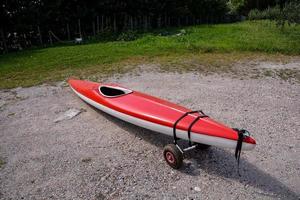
point(54, 146)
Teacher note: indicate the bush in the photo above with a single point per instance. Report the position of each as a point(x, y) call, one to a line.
point(270, 13)
point(273, 13)
point(290, 13)
point(106, 35)
point(128, 36)
point(236, 7)
point(254, 14)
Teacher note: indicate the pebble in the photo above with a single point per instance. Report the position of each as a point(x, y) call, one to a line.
point(197, 189)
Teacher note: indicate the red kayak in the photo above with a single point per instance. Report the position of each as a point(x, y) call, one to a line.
point(159, 115)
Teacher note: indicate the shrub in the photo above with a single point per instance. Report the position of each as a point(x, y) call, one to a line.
point(254, 14)
point(106, 35)
point(128, 36)
point(290, 13)
point(269, 13)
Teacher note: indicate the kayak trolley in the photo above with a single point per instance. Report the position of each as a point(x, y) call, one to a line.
point(173, 153)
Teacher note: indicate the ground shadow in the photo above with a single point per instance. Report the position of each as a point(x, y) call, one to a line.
point(214, 161)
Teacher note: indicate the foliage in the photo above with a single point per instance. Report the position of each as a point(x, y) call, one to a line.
point(51, 64)
point(269, 13)
point(236, 6)
point(243, 7)
point(26, 23)
point(207, 10)
point(128, 36)
point(106, 35)
point(73, 18)
point(290, 13)
point(109, 35)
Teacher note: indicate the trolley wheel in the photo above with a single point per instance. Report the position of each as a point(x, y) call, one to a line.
point(202, 146)
point(173, 156)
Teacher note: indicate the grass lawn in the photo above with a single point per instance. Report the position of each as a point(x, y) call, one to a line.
point(229, 41)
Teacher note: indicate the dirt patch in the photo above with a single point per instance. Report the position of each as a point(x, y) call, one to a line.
point(289, 71)
point(238, 66)
point(95, 156)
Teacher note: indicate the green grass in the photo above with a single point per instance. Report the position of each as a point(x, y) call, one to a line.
point(32, 67)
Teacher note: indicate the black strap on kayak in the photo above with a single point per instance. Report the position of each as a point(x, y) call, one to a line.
point(191, 125)
point(202, 115)
point(241, 135)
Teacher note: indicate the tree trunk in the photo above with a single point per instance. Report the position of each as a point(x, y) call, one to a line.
point(149, 22)
point(166, 21)
point(135, 23)
point(107, 24)
point(68, 32)
point(131, 22)
point(115, 23)
point(125, 23)
point(79, 28)
point(50, 38)
point(145, 19)
point(94, 28)
point(40, 36)
point(4, 41)
point(102, 23)
point(138, 22)
point(159, 21)
point(97, 24)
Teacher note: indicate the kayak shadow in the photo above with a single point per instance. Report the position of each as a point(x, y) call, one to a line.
point(222, 163)
point(214, 161)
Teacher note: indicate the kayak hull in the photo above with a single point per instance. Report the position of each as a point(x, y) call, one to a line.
point(167, 130)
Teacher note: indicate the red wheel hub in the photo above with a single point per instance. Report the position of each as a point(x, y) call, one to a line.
point(170, 157)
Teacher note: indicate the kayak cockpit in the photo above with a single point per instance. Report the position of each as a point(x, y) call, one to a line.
point(113, 91)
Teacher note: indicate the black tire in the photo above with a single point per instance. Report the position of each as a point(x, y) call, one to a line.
point(202, 146)
point(173, 156)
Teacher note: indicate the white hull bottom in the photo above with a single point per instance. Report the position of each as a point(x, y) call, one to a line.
point(195, 137)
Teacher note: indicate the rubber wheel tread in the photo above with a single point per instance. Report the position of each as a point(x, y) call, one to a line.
point(178, 156)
